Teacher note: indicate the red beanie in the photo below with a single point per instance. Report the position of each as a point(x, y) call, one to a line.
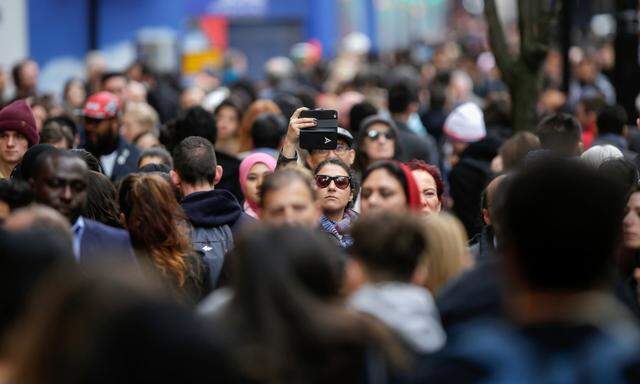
point(414, 191)
point(19, 117)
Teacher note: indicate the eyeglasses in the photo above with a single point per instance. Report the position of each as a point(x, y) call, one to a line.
point(375, 135)
point(340, 149)
point(342, 182)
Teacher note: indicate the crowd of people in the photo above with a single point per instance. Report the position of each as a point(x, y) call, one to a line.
point(153, 233)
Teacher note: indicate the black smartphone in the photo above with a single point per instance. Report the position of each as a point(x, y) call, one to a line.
point(325, 134)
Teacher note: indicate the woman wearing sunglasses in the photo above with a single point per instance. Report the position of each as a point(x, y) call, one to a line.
point(336, 190)
point(377, 140)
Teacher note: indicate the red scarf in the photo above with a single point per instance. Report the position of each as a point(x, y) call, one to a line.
point(413, 191)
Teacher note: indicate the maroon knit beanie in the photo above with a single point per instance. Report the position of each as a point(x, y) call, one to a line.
point(19, 117)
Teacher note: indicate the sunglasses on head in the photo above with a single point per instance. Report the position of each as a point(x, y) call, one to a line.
point(342, 182)
point(375, 135)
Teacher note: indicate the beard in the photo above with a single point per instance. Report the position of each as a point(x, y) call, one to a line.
point(103, 145)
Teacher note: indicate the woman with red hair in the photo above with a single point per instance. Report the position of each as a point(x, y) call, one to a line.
point(430, 185)
point(160, 233)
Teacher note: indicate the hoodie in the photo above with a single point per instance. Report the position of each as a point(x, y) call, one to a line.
point(213, 208)
point(407, 309)
point(214, 216)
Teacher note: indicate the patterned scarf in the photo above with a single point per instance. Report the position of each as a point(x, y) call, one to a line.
point(340, 229)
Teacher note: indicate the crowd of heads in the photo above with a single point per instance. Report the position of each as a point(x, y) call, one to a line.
point(185, 231)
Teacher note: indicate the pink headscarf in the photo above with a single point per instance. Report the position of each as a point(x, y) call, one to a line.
point(251, 208)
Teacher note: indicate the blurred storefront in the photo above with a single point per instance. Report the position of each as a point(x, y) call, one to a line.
point(204, 29)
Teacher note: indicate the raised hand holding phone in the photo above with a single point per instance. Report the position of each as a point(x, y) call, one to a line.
point(296, 123)
point(325, 133)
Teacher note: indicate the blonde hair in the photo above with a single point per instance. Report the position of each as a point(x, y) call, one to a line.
point(144, 115)
point(447, 254)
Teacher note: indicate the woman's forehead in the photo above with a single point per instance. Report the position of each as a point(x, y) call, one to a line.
point(333, 169)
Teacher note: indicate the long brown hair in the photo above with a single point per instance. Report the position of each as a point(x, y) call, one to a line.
point(256, 108)
point(156, 223)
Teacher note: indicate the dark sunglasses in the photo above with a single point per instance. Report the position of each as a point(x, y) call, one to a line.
point(374, 135)
point(342, 182)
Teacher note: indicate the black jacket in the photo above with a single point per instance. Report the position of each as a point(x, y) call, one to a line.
point(468, 178)
point(214, 215)
point(126, 161)
point(476, 293)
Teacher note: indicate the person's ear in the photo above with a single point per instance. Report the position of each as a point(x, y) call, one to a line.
point(420, 275)
point(485, 216)
point(123, 220)
point(351, 157)
point(219, 172)
point(175, 178)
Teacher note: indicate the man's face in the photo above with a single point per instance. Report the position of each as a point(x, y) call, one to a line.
point(292, 204)
point(61, 183)
point(587, 72)
point(101, 135)
point(342, 152)
point(29, 75)
point(585, 118)
point(581, 115)
point(116, 85)
point(13, 145)
point(379, 142)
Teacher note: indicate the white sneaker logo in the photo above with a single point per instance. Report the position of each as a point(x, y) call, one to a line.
point(206, 248)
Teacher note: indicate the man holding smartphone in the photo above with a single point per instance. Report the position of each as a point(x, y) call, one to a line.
point(289, 152)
